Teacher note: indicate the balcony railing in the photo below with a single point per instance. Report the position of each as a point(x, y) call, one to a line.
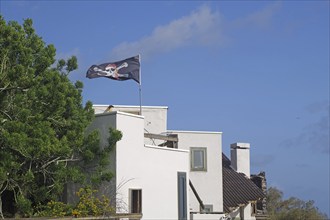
point(169, 140)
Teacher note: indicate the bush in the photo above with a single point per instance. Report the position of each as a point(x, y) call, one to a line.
point(24, 205)
point(88, 205)
point(55, 209)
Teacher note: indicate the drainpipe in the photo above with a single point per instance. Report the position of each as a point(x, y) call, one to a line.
point(196, 195)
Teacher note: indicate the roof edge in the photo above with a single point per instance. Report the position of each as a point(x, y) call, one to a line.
point(119, 113)
point(195, 132)
point(131, 106)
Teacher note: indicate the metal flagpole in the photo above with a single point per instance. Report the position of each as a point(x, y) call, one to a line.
point(140, 93)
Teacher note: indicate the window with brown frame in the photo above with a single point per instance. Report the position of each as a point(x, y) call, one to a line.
point(136, 201)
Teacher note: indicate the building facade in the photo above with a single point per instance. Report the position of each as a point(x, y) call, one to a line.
point(165, 174)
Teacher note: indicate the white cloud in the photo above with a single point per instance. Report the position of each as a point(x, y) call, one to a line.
point(201, 27)
point(260, 18)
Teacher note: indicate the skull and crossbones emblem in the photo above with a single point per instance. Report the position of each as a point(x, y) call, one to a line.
point(111, 70)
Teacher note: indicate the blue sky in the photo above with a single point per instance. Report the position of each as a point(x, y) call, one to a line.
point(256, 70)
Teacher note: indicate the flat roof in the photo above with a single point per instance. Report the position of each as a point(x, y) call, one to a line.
point(130, 106)
point(196, 132)
point(118, 112)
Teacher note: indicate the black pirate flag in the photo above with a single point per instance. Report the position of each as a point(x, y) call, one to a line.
point(120, 70)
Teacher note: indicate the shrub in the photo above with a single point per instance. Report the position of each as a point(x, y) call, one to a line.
point(88, 205)
point(55, 209)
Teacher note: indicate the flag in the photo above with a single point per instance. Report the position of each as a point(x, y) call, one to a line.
point(120, 70)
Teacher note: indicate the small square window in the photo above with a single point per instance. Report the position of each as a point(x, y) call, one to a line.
point(207, 209)
point(198, 159)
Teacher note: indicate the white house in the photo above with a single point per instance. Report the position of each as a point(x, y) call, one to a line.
point(166, 174)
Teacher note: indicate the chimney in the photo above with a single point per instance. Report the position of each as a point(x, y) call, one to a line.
point(240, 157)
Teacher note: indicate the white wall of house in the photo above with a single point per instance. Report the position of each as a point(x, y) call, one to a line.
point(242, 213)
point(247, 212)
point(201, 216)
point(102, 122)
point(235, 215)
point(155, 116)
point(240, 161)
point(152, 169)
point(208, 183)
point(139, 164)
point(240, 157)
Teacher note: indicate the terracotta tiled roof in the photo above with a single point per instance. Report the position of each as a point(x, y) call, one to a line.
point(238, 189)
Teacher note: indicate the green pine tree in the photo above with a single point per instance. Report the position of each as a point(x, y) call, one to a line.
point(42, 122)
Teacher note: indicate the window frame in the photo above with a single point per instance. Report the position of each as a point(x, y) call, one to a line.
point(192, 162)
point(131, 200)
point(182, 196)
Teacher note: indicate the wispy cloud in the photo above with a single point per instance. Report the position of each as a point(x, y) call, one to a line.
point(201, 27)
point(315, 135)
point(261, 19)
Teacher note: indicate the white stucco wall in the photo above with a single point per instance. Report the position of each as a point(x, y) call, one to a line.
point(240, 157)
point(206, 216)
point(101, 123)
point(139, 165)
point(247, 212)
point(155, 116)
point(207, 184)
point(150, 168)
point(236, 215)
point(240, 161)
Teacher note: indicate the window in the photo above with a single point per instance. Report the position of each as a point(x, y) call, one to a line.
point(136, 201)
point(182, 195)
point(253, 208)
point(198, 158)
point(207, 209)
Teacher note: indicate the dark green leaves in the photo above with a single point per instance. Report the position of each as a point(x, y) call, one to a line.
point(43, 144)
point(42, 119)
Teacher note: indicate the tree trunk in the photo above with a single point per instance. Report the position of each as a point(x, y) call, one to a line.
point(1, 214)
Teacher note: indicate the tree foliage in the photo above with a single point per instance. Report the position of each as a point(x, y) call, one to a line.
point(42, 121)
point(292, 208)
point(88, 205)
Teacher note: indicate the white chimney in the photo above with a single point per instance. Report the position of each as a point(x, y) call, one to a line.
point(240, 157)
